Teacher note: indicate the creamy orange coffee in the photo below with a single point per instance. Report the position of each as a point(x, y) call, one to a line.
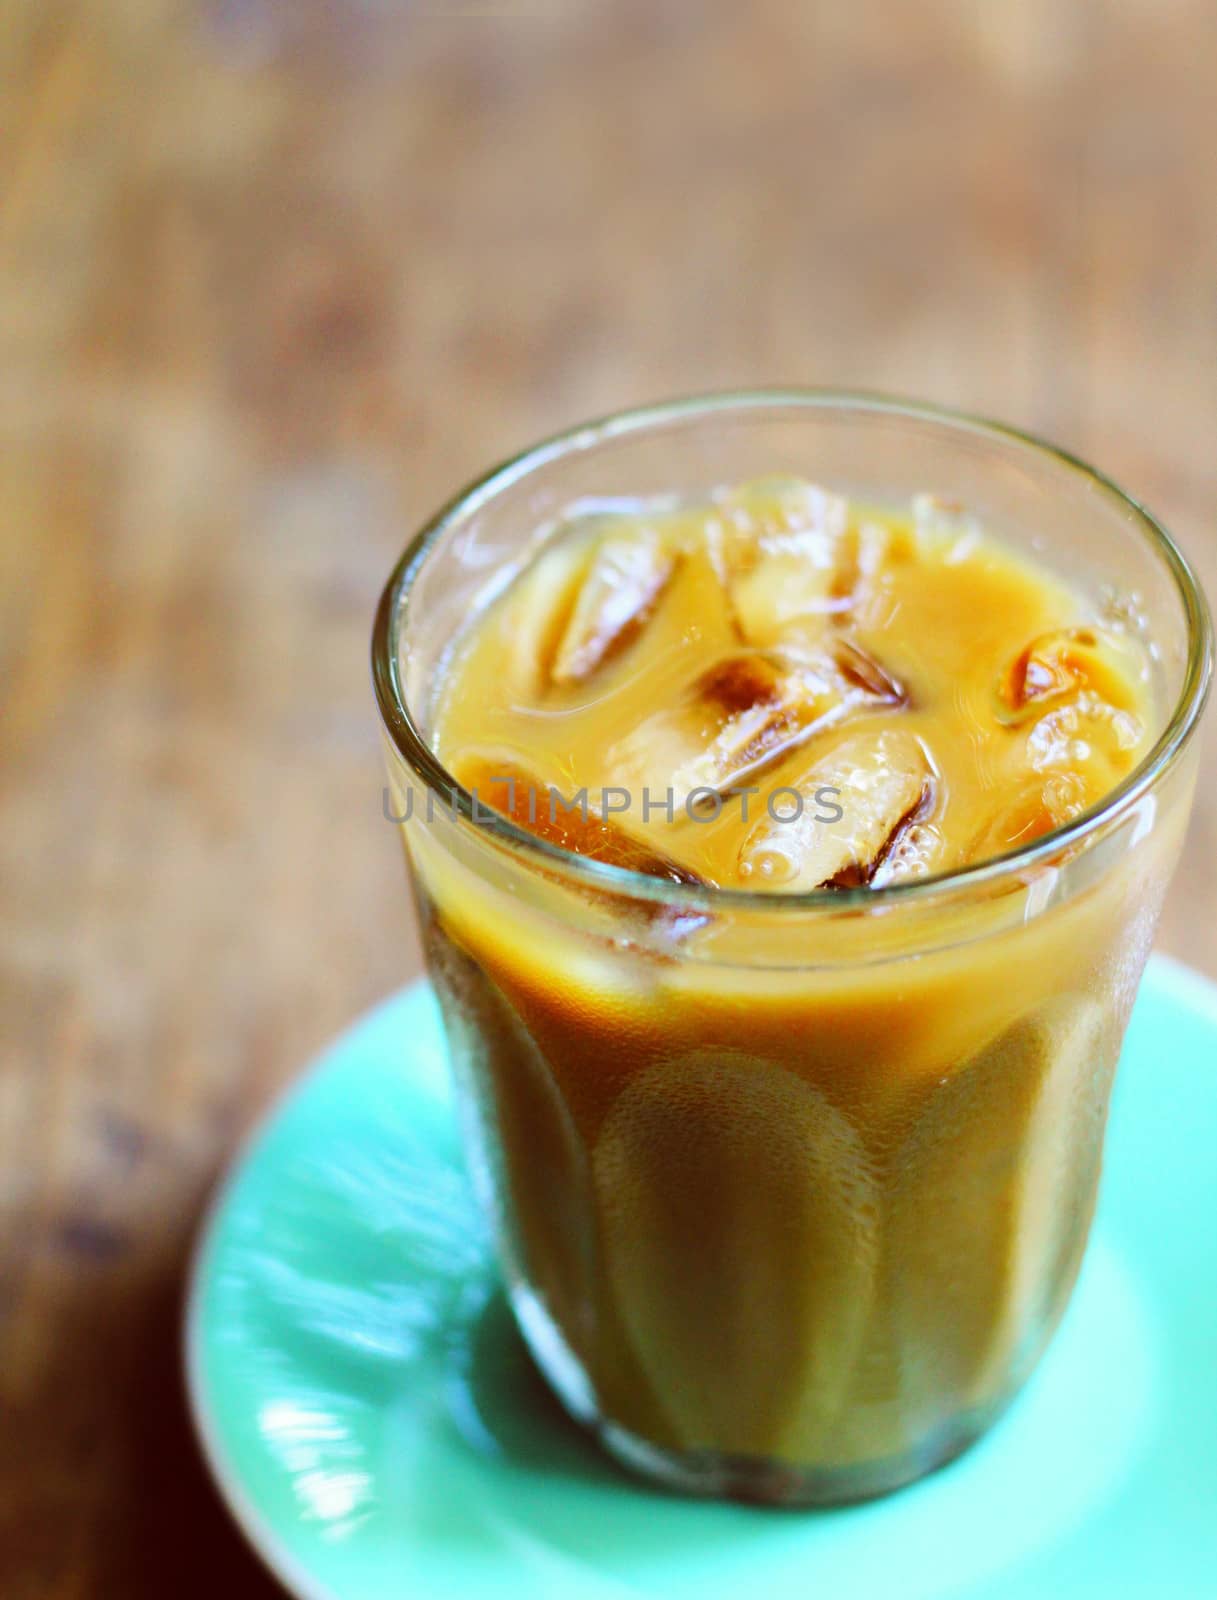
point(705, 673)
point(793, 1154)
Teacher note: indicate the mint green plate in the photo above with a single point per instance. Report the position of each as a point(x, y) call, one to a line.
point(379, 1433)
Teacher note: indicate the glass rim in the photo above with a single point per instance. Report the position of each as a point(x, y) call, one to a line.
point(607, 877)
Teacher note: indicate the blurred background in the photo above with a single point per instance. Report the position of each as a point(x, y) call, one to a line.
point(276, 277)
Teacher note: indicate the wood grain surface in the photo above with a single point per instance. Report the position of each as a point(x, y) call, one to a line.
point(275, 277)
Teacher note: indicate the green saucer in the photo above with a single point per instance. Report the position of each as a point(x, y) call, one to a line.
point(380, 1434)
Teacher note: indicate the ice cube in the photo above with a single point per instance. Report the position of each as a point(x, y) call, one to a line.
point(761, 710)
point(502, 785)
point(1040, 806)
point(1084, 730)
point(778, 545)
point(855, 806)
point(795, 595)
point(943, 518)
point(865, 552)
point(629, 569)
point(1067, 662)
point(768, 512)
point(784, 590)
point(743, 714)
point(538, 609)
point(865, 674)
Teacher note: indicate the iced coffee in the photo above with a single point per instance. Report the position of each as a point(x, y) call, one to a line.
point(793, 1149)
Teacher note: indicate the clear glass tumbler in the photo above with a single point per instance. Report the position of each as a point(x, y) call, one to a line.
point(789, 1210)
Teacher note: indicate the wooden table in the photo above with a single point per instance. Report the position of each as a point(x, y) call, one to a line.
point(275, 276)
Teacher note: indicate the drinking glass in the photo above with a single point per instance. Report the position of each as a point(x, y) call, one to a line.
point(790, 1190)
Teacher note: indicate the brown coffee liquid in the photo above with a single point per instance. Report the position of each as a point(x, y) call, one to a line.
point(805, 1199)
